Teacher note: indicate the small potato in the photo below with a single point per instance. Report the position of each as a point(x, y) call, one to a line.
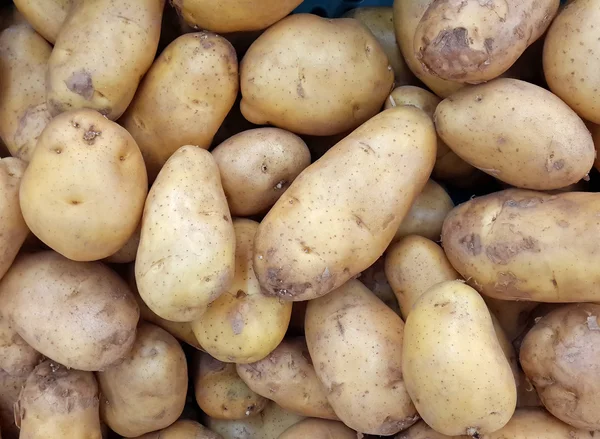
point(376, 281)
point(287, 376)
point(512, 315)
point(58, 403)
point(517, 132)
point(194, 83)
point(10, 388)
point(103, 50)
point(183, 429)
point(84, 190)
point(45, 16)
point(147, 390)
point(318, 429)
point(221, 393)
point(128, 252)
point(311, 75)
point(186, 254)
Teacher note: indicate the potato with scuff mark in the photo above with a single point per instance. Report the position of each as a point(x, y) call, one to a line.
point(183, 429)
point(319, 429)
point(45, 16)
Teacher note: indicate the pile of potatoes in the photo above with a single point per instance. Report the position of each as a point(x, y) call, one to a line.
point(222, 220)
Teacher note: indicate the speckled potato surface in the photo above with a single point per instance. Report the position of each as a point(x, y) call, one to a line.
point(45, 16)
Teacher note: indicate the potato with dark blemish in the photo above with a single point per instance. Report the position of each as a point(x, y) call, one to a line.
point(243, 325)
point(84, 189)
point(257, 166)
point(319, 429)
point(186, 255)
point(324, 229)
point(355, 342)
point(517, 132)
point(103, 50)
point(147, 390)
point(315, 76)
point(45, 16)
point(375, 279)
point(183, 429)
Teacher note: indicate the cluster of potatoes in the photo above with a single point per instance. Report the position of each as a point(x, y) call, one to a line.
point(290, 283)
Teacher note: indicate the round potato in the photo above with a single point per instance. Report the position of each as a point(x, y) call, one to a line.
point(310, 75)
point(318, 429)
point(45, 16)
point(10, 389)
point(128, 252)
point(147, 390)
point(183, 429)
point(257, 166)
point(376, 281)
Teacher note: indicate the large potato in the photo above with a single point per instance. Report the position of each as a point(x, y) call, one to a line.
point(355, 342)
point(454, 367)
point(257, 166)
point(147, 390)
point(324, 230)
point(375, 279)
point(186, 255)
point(10, 388)
point(23, 111)
point(184, 97)
point(517, 132)
point(45, 16)
point(102, 51)
point(318, 429)
point(310, 75)
point(183, 429)
point(84, 189)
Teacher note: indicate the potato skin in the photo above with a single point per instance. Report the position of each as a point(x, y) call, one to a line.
point(423, 431)
point(10, 388)
point(307, 244)
point(194, 83)
point(375, 279)
point(128, 252)
point(318, 429)
point(355, 342)
point(595, 131)
point(512, 315)
point(183, 429)
point(288, 80)
point(517, 132)
point(186, 256)
point(45, 16)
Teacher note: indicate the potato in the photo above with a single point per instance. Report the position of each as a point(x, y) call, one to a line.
point(495, 242)
point(45, 16)
point(376, 281)
point(512, 315)
point(221, 393)
point(571, 60)
point(23, 111)
point(455, 391)
point(318, 429)
point(423, 431)
point(517, 132)
point(243, 325)
point(183, 429)
point(81, 315)
point(58, 403)
point(10, 388)
point(472, 41)
point(186, 254)
point(355, 343)
point(128, 252)
point(147, 390)
point(194, 83)
point(287, 376)
point(308, 244)
point(94, 32)
point(311, 75)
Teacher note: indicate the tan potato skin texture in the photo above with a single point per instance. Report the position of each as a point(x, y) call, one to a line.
point(595, 130)
point(423, 431)
point(355, 342)
point(288, 377)
point(375, 279)
point(58, 403)
point(146, 391)
point(454, 367)
point(315, 76)
point(184, 97)
point(45, 16)
point(257, 166)
point(183, 429)
point(517, 132)
point(102, 51)
point(23, 111)
point(324, 230)
point(128, 252)
point(186, 256)
point(571, 58)
point(318, 429)
point(243, 325)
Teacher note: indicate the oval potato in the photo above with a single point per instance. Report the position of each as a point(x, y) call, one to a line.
point(45, 16)
point(183, 429)
point(318, 429)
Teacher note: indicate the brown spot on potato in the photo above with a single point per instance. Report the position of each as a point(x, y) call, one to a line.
point(501, 253)
point(80, 82)
point(90, 135)
point(240, 294)
point(558, 165)
point(472, 244)
point(391, 425)
point(300, 90)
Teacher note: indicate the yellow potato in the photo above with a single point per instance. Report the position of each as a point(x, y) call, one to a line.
point(128, 252)
point(318, 429)
point(375, 279)
point(183, 429)
point(45, 16)
point(311, 75)
point(10, 388)
point(324, 230)
point(186, 254)
point(423, 431)
point(512, 315)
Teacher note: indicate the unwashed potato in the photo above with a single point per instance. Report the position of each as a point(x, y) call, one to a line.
point(10, 388)
point(287, 376)
point(355, 342)
point(517, 132)
point(103, 50)
point(23, 111)
point(128, 252)
point(183, 429)
point(221, 393)
point(318, 429)
point(308, 244)
point(45, 16)
point(58, 403)
point(186, 255)
point(193, 83)
point(375, 279)
point(147, 390)
point(512, 315)
point(311, 75)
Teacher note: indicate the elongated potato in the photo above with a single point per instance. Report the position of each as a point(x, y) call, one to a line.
point(355, 343)
point(318, 429)
point(186, 256)
point(375, 279)
point(79, 73)
point(194, 82)
point(308, 243)
point(517, 132)
point(23, 111)
point(45, 16)
point(183, 429)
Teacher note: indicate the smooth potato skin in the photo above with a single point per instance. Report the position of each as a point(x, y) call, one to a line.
point(183, 429)
point(308, 243)
point(128, 252)
point(517, 132)
point(45, 16)
point(318, 429)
